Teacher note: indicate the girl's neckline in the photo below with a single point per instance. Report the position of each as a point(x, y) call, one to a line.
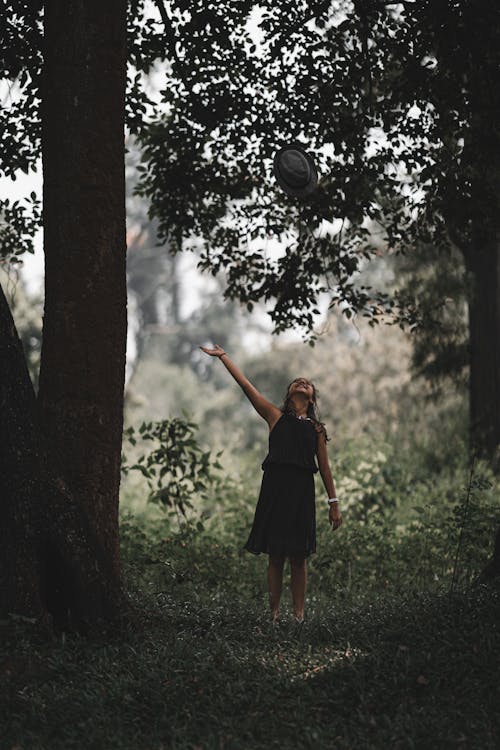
point(302, 419)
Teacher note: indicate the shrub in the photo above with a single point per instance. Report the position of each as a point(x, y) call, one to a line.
point(176, 469)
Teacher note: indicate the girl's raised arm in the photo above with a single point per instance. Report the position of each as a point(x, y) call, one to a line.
point(262, 406)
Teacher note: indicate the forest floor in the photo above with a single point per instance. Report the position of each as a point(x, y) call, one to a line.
point(195, 663)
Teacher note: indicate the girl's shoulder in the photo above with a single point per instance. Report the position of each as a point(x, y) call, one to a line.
point(321, 429)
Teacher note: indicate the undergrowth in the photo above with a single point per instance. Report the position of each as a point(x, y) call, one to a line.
point(399, 648)
point(195, 662)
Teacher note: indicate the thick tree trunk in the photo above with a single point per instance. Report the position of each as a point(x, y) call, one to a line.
point(480, 219)
point(484, 386)
point(60, 457)
point(19, 476)
point(50, 560)
point(484, 325)
point(84, 332)
point(481, 165)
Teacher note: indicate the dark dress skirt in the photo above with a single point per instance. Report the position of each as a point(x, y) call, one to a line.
point(285, 517)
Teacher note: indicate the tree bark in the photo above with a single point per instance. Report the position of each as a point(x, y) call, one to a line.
point(19, 476)
point(484, 386)
point(50, 561)
point(484, 326)
point(60, 456)
point(84, 332)
point(491, 571)
point(483, 256)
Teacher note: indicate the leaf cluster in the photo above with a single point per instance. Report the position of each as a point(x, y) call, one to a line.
point(19, 220)
point(176, 469)
point(21, 44)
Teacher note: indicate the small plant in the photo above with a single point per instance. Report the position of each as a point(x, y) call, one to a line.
point(176, 468)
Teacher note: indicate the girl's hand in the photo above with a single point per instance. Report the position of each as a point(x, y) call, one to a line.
point(335, 516)
point(217, 351)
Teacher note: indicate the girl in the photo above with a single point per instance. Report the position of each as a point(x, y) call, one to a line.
point(284, 525)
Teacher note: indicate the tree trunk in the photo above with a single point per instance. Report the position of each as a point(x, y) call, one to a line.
point(491, 571)
point(480, 166)
point(484, 325)
point(50, 561)
point(19, 476)
point(484, 388)
point(84, 332)
point(478, 216)
point(60, 457)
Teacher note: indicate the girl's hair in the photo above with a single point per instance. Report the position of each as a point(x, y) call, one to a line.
point(312, 409)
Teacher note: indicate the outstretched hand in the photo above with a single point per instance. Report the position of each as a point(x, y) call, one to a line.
point(217, 351)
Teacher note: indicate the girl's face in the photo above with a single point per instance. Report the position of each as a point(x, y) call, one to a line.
point(302, 386)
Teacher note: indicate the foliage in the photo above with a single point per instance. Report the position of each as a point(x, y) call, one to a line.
point(391, 447)
point(176, 468)
point(21, 41)
point(435, 282)
point(19, 221)
point(408, 524)
point(393, 99)
point(442, 546)
point(195, 663)
point(447, 542)
point(362, 480)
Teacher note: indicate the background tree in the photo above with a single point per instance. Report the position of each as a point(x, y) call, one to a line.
point(176, 306)
point(152, 271)
point(434, 281)
point(399, 104)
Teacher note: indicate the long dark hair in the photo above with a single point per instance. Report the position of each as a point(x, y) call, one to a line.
point(312, 409)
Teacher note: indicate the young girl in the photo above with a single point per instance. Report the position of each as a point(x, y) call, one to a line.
point(284, 525)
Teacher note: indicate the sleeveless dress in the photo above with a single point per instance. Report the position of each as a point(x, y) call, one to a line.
point(285, 516)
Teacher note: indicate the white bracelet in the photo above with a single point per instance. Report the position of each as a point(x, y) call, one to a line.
point(333, 500)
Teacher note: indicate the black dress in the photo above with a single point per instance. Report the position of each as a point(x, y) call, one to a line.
point(285, 516)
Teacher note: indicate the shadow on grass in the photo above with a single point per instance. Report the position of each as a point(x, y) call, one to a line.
point(399, 671)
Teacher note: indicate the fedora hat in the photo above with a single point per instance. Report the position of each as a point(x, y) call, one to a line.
point(295, 171)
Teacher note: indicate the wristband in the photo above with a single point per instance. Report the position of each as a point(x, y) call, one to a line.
point(222, 355)
point(332, 500)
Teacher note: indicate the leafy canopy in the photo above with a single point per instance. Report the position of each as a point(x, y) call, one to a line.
point(394, 100)
point(389, 97)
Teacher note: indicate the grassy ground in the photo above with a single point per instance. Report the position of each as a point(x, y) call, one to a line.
point(196, 664)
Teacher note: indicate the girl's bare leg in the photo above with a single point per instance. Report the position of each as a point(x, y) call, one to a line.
point(275, 582)
point(298, 568)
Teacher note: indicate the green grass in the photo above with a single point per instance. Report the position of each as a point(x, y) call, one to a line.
point(196, 664)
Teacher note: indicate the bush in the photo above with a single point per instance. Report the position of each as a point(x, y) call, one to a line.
point(449, 541)
point(403, 527)
point(176, 469)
